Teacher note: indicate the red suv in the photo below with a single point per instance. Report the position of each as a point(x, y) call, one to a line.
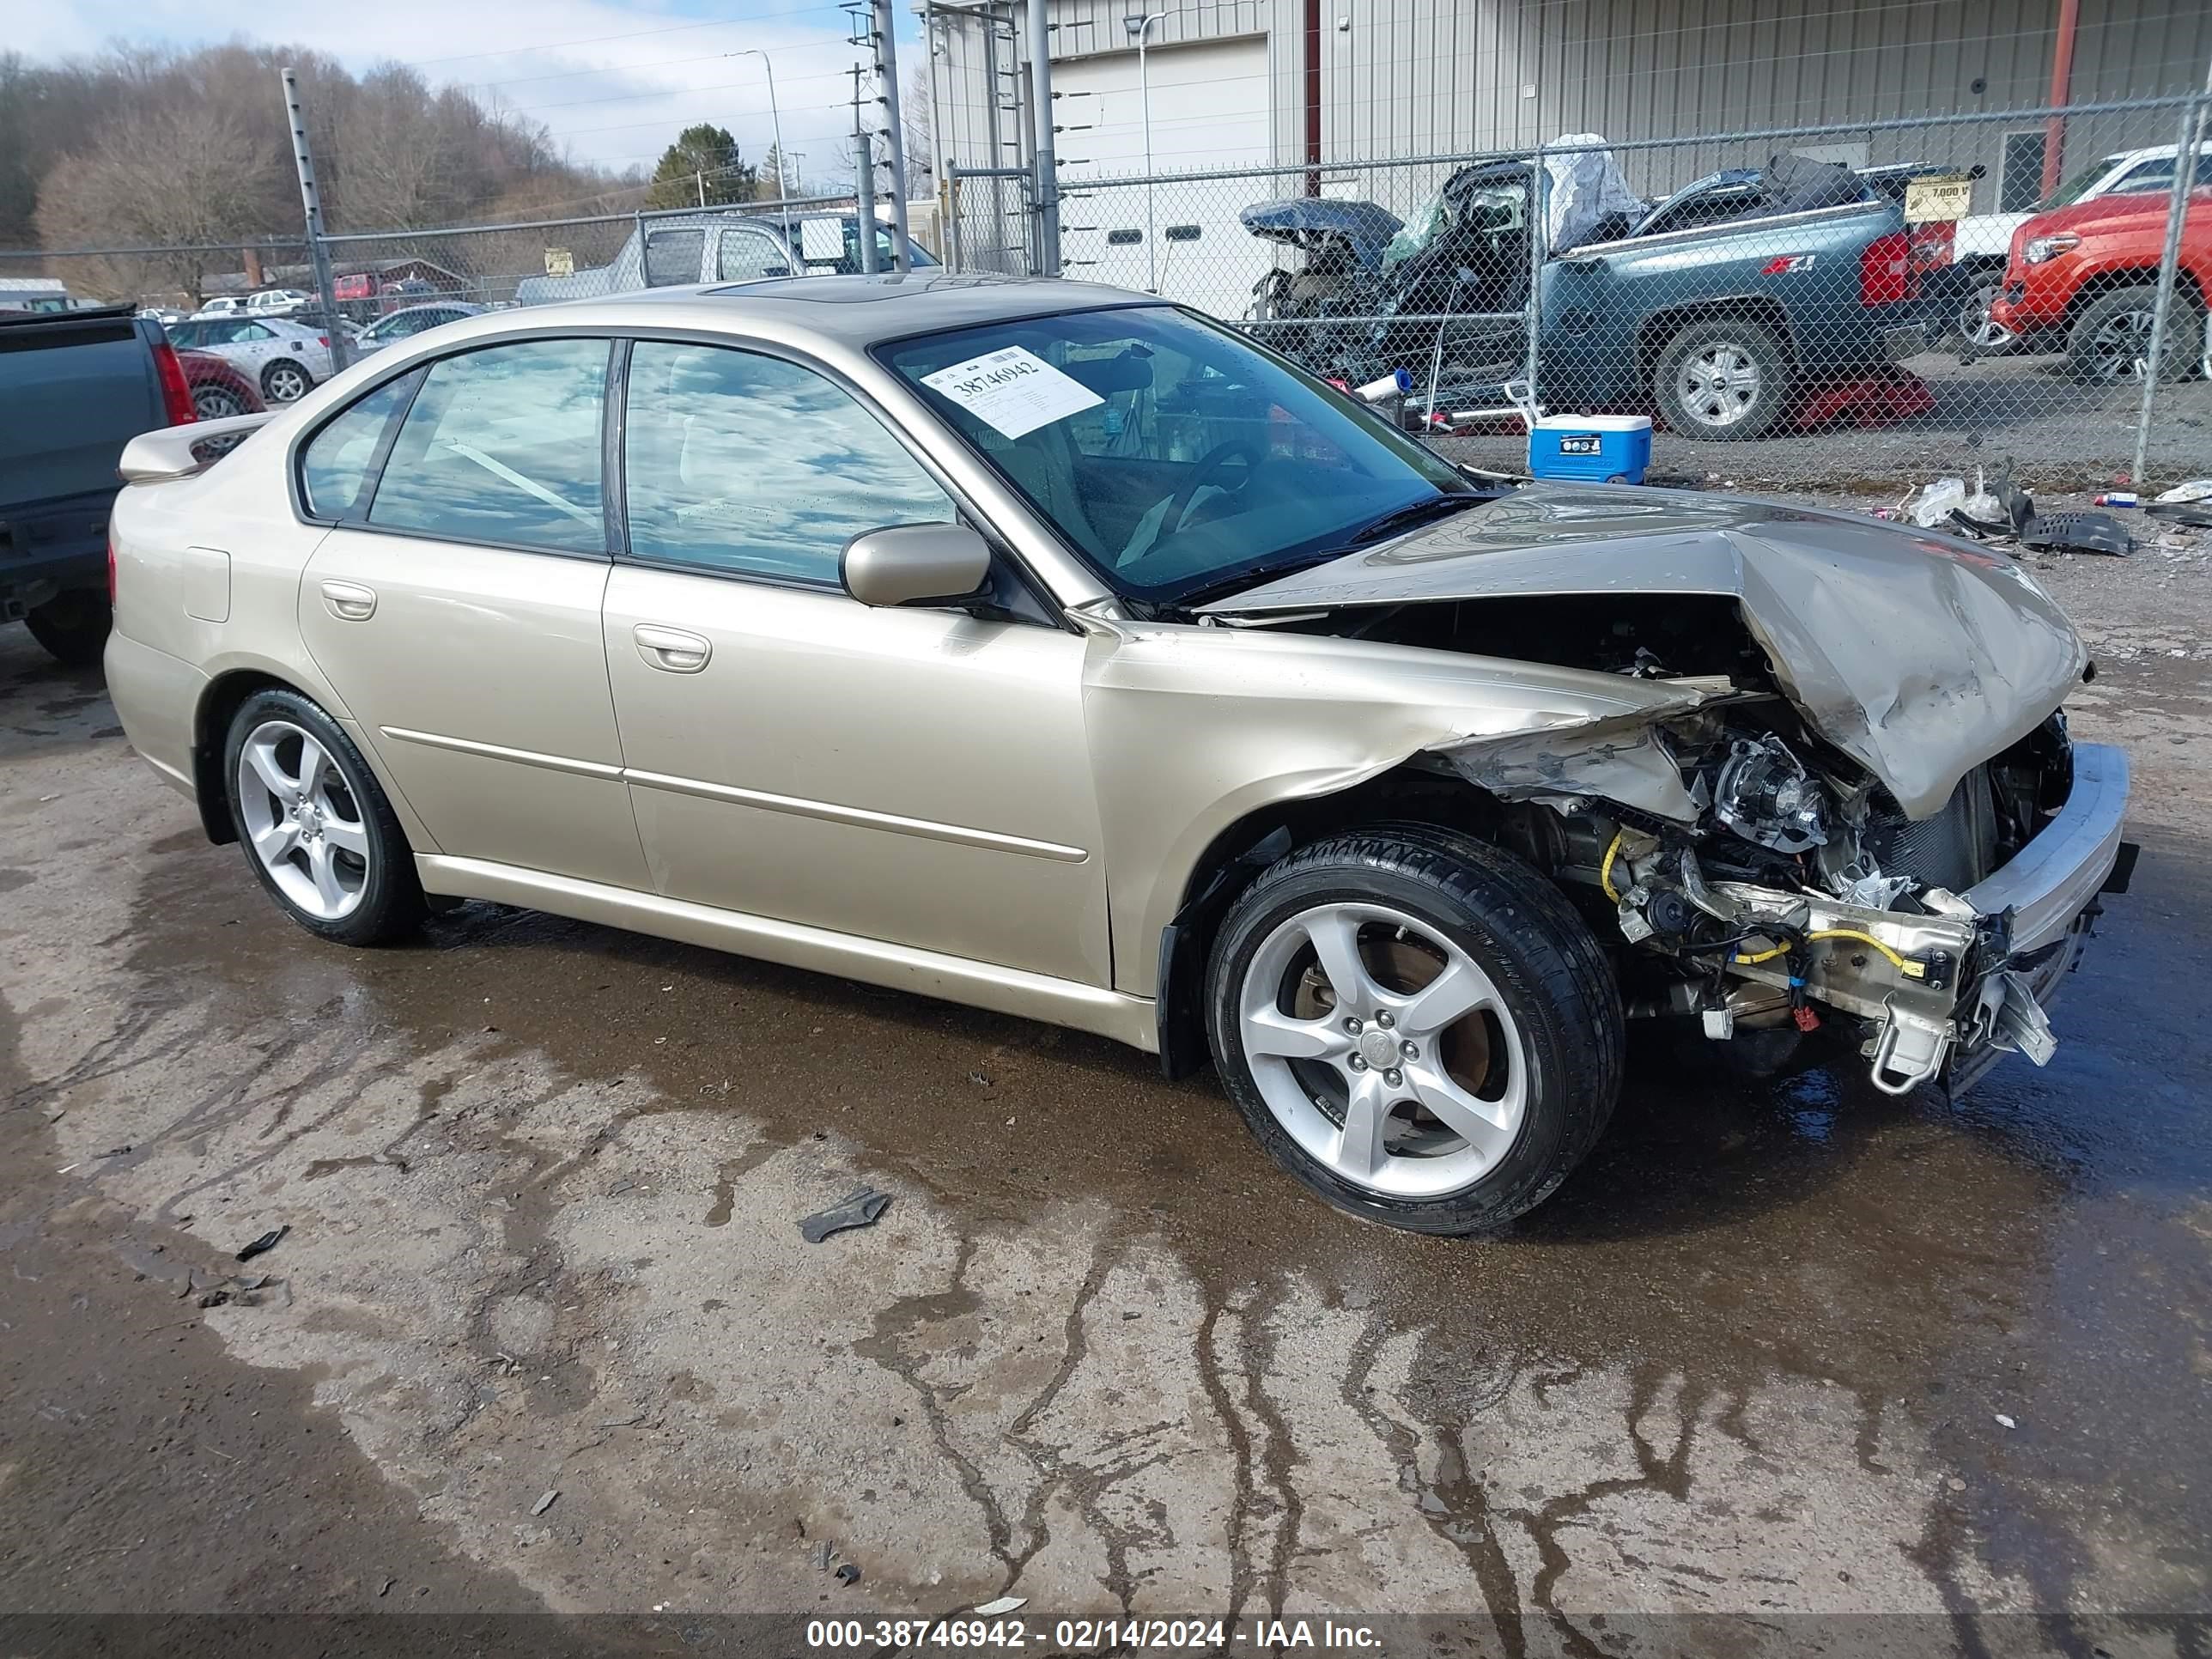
point(2084, 280)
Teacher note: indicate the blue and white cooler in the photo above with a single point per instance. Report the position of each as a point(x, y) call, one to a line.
point(1590, 448)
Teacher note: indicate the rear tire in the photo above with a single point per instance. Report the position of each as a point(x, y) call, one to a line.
point(1416, 1025)
point(72, 626)
point(284, 382)
point(315, 826)
point(216, 402)
point(2112, 333)
point(1725, 378)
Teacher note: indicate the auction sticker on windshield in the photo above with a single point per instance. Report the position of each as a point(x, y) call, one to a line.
point(1014, 390)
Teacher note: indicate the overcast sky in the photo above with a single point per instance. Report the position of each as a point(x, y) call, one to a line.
point(614, 83)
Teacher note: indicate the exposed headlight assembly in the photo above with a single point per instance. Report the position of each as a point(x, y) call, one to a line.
point(1766, 795)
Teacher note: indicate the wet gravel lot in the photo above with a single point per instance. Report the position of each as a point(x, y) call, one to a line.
point(1792, 1353)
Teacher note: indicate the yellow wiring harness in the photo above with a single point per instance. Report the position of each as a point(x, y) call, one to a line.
point(1605, 869)
point(1904, 964)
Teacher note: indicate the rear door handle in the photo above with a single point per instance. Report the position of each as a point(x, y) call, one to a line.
point(349, 601)
point(671, 648)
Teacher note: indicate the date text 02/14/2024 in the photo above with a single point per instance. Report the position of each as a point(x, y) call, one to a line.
point(1077, 1636)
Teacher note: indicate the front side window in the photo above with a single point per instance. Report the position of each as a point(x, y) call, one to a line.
point(1168, 452)
point(743, 462)
point(502, 445)
point(335, 465)
point(673, 256)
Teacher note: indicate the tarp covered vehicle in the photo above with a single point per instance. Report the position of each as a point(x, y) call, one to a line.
point(1715, 305)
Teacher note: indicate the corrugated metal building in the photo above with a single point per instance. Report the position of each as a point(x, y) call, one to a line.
point(1412, 77)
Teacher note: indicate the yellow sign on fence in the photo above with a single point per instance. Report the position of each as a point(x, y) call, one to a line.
point(1927, 200)
point(562, 262)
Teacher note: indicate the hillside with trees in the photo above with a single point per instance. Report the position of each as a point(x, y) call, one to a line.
point(141, 147)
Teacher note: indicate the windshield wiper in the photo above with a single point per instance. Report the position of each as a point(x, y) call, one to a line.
point(1400, 520)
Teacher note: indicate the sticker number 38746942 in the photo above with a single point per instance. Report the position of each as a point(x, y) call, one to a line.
point(1014, 390)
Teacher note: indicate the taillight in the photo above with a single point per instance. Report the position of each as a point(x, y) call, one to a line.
point(1932, 244)
point(177, 407)
point(324, 341)
point(1885, 272)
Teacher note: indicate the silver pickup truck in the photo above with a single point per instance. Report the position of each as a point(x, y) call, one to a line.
point(722, 247)
point(74, 387)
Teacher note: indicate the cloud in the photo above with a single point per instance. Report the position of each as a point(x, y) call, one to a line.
point(614, 85)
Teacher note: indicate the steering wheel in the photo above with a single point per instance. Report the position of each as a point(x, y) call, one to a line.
point(1242, 449)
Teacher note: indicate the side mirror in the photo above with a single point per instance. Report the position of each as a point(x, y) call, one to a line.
point(915, 564)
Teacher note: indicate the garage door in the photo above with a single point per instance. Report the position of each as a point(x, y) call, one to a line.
point(1209, 109)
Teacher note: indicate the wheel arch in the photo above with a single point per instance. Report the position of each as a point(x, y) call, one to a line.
point(2095, 286)
point(1241, 850)
point(1661, 327)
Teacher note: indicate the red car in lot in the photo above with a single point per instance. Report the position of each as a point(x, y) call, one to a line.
point(2084, 280)
point(218, 389)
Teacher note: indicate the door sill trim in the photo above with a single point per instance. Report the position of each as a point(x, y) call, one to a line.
point(902, 967)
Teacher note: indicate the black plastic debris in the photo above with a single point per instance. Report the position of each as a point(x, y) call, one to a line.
point(848, 1573)
point(2077, 531)
point(263, 1244)
point(861, 1209)
point(2196, 513)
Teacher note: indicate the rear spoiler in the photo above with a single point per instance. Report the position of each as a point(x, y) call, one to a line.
point(160, 456)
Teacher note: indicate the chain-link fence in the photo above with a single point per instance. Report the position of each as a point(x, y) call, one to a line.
point(1832, 306)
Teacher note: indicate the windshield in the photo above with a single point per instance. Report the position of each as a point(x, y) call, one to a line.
point(2073, 188)
point(1170, 452)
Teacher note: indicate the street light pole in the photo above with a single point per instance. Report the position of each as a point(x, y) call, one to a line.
point(776, 126)
point(1141, 29)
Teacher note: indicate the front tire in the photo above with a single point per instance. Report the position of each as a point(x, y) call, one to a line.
point(316, 828)
point(1722, 378)
point(2112, 334)
point(72, 626)
point(1416, 1025)
point(217, 402)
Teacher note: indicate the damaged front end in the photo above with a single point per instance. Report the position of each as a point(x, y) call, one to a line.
point(1762, 882)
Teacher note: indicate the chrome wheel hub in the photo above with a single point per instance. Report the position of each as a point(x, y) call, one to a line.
point(1384, 1049)
point(303, 821)
point(1719, 385)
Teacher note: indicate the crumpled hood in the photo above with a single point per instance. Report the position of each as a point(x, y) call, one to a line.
point(1920, 655)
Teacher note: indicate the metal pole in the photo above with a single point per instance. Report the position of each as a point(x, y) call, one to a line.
point(864, 185)
point(775, 127)
point(1538, 235)
point(1046, 256)
point(1144, 102)
point(2176, 209)
point(894, 130)
point(311, 202)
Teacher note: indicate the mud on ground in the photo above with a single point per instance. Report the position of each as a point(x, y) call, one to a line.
point(541, 1181)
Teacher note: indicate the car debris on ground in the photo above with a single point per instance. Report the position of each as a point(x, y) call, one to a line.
point(546, 1501)
point(860, 1208)
point(263, 1244)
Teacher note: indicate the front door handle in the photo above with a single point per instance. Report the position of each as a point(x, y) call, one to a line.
point(349, 601)
point(671, 648)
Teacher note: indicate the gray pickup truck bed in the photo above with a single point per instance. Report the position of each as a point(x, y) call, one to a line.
point(74, 387)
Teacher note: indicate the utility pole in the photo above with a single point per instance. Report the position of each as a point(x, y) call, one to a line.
point(311, 200)
point(700, 179)
point(1047, 259)
point(894, 132)
point(864, 183)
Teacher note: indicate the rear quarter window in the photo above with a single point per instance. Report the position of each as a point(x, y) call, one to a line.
point(335, 466)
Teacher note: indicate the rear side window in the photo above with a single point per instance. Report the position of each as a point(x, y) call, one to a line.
point(743, 462)
point(747, 255)
point(334, 468)
point(503, 447)
point(673, 256)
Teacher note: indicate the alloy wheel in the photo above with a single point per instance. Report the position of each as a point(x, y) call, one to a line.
point(1384, 1049)
point(287, 384)
point(2121, 342)
point(1719, 385)
point(1988, 337)
point(216, 403)
point(303, 821)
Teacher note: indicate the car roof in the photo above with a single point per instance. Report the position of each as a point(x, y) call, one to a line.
point(851, 311)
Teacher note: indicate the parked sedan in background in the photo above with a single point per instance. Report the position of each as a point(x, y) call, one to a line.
point(1045, 647)
point(2084, 281)
point(405, 323)
point(277, 301)
point(285, 359)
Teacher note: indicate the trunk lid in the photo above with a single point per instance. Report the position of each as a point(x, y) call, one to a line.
point(1920, 655)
